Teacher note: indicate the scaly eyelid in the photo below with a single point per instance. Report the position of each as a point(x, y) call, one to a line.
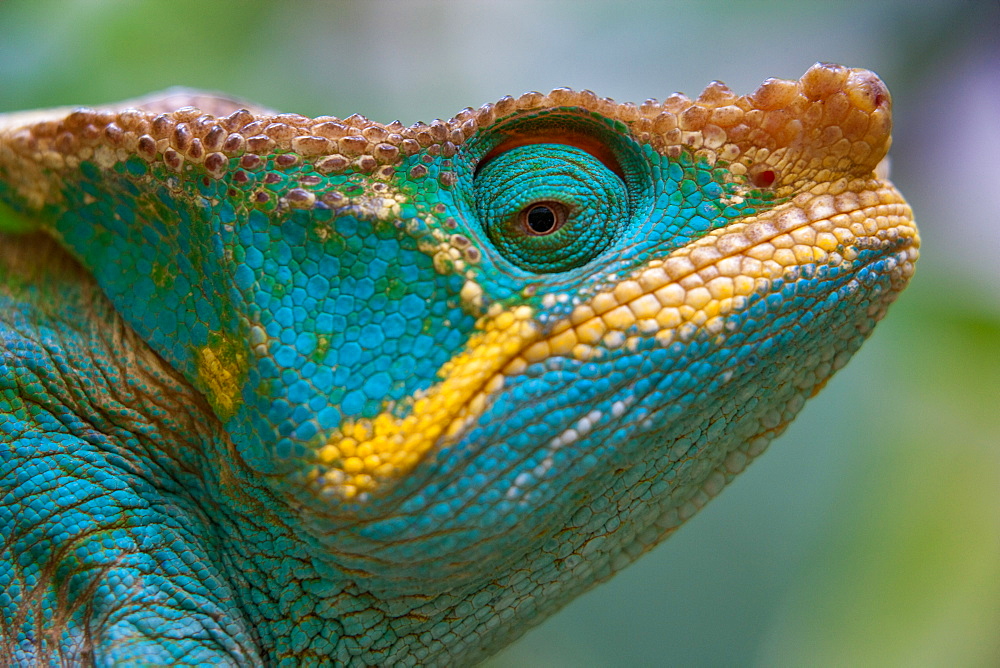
point(581, 140)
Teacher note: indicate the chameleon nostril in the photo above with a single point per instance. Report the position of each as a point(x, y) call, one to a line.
point(764, 178)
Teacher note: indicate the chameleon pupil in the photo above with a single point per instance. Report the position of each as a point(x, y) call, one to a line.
point(542, 219)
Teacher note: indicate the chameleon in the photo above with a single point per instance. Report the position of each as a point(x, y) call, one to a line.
point(278, 390)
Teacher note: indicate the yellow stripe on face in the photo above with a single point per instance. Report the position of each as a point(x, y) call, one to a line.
point(365, 453)
point(692, 291)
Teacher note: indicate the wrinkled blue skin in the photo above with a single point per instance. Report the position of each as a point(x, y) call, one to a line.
point(144, 522)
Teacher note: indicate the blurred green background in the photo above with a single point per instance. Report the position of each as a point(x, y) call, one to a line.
point(870, 535)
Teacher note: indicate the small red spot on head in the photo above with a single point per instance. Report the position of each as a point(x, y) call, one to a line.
point(764, 178)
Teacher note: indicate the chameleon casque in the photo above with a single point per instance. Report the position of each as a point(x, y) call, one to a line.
point(281, 390)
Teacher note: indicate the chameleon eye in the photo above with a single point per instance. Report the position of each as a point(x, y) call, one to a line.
point(550, 207)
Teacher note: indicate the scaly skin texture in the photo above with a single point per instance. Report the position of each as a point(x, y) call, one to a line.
point(287, 390)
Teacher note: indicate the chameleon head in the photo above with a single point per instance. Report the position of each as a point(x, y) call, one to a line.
point(656, 291)
point(530, 341)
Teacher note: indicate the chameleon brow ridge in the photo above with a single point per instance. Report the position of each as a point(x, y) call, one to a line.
point(774, 126)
